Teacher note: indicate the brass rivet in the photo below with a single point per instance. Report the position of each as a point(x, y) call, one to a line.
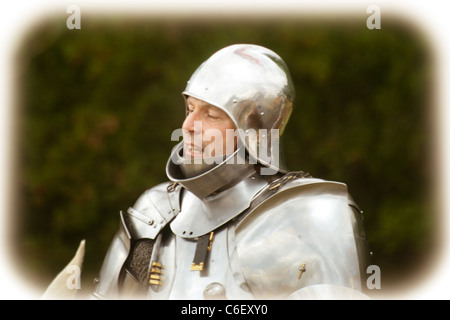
point(301, 270)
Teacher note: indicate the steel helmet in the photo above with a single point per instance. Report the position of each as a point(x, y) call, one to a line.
point(253, 86)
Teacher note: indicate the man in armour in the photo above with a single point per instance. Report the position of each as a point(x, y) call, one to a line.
point(232, 223)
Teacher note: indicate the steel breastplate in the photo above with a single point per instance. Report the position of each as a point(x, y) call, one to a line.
point(291, 226)
point(222, 277)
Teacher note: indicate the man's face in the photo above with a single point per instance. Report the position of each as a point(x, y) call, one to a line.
point(202, 128)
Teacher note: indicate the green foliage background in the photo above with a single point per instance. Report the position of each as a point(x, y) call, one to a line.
point(98, 105)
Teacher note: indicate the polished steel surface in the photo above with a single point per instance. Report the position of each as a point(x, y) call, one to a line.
point(327, 292)
point(303, 235)
point(151, 212)
point(108, 285)
point(309, 225)
point(201, 216)
point(233, 169)
point(220, 279)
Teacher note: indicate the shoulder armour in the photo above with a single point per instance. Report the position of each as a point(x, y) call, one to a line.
point(305, 232)
point(153, 211)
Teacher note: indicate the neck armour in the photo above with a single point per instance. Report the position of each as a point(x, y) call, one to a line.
point(210, 178)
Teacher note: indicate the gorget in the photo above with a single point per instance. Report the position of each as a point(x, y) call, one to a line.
point(232, 170)
point(212, 198)
point(201, 216)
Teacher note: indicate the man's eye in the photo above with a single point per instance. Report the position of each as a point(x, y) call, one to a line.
point(212, 116)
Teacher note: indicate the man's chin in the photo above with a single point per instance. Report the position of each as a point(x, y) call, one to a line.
point(188, 154)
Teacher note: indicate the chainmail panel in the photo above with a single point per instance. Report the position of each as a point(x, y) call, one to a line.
point(139, 259)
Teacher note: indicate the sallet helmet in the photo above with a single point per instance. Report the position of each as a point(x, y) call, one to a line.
point(252, 85)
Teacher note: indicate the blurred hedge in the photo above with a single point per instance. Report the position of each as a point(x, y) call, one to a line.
point(98, 106)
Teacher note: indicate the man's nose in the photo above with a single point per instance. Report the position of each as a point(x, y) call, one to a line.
point(191, 121)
